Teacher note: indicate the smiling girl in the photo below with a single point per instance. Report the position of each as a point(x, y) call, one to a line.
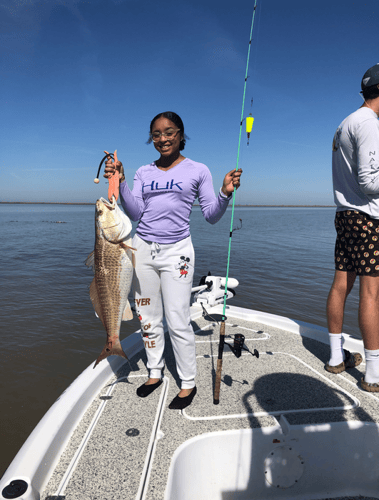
point(161, 200)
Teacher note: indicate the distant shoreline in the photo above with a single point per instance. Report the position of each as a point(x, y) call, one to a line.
point(238, 205)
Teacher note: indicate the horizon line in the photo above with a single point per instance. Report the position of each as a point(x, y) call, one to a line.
point(195, 205)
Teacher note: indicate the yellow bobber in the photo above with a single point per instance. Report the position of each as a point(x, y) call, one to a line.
point(249, 123)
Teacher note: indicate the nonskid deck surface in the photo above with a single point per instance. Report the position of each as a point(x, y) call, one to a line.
point(113, 454)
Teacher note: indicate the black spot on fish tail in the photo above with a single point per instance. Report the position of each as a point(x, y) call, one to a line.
point(109, 350)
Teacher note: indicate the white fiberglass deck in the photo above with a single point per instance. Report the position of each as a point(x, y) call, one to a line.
point(284, 428)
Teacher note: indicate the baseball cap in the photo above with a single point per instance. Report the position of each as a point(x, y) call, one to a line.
point(371, 77)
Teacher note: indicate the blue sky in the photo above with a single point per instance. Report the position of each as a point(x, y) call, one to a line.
point(78, 76)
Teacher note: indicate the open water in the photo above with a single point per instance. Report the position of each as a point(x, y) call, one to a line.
point(282, 257)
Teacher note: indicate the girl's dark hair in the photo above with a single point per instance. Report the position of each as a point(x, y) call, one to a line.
point(370, 92)
point(170, 115)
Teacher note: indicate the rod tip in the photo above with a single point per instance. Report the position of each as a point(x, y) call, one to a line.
point(216, 401)
point(96, 181)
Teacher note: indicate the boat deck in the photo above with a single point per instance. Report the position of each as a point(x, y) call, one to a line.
point(124, 445)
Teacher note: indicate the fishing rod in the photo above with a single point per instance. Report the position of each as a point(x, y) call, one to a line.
point(216, 395)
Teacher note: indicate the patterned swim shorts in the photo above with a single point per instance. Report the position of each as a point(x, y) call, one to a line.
point(357, 244)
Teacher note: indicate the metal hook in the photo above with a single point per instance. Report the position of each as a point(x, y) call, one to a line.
point(237, 228)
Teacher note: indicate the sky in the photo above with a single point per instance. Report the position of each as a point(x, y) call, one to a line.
point(81, 76)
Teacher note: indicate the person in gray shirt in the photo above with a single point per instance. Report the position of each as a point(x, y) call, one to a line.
point(355, 164)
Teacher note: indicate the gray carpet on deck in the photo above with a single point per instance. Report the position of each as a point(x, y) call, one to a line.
point(289, 375)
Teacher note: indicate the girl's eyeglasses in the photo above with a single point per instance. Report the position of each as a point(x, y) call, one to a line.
point(169, 134)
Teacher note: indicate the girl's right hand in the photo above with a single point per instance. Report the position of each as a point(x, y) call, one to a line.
point(111, 166)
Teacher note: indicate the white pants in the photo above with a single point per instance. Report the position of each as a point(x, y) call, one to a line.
point(165, 272)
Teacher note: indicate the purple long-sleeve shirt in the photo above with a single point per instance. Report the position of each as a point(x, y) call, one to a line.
point(162, 200)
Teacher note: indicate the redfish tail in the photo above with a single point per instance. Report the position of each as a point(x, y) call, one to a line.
point(111, 349)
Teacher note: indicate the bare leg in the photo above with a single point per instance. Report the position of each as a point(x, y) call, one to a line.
point(152, 381)
point(341, 287)
point(369, 311)
point(185, 392)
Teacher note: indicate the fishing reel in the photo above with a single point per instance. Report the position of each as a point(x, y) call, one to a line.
point(238, 346)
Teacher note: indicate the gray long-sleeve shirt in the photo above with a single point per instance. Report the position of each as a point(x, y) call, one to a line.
point(356, 163)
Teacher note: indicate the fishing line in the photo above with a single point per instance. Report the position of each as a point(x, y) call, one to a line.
point(216, 398)
point(238, 155)
point(255, 48)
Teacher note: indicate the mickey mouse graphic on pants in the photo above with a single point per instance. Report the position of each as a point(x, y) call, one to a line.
point(183, 266)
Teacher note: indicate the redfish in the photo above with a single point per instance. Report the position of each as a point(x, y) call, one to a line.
point(113, 262)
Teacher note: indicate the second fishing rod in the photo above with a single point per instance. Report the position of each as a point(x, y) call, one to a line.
point(249, 125)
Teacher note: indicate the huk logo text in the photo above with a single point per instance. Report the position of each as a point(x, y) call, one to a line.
point(154, 186)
